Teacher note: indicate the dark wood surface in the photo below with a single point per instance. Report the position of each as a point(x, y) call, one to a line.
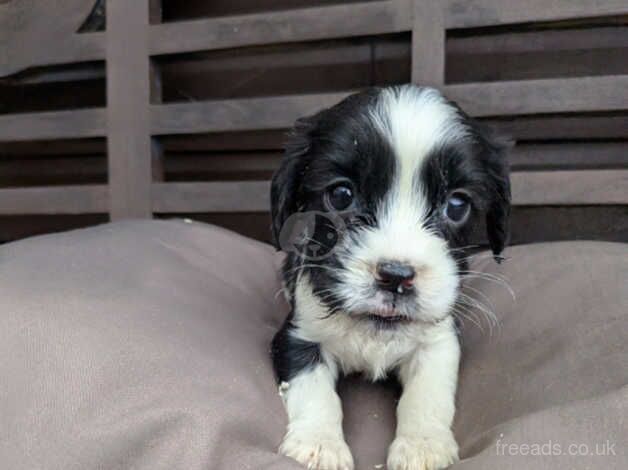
point(570, 188)
point(476, 13)
point(428, 43)
point(181, 108)
point(237, 115)
point(335, 21)
point(54, 200)
point(556, 95)
point(569, 156)
point(220, 196)
point(561, 128)
point(53, 125)
point(128, 118)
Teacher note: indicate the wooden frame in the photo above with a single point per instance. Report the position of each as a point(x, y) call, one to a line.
point(134, 115)
point(128, 97)
point(54, 200)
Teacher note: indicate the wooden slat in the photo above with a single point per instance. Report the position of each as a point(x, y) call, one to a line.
point(251, 141)
point(54, 200)
point(428, 43)
point(211, 197)
point(222, 163)
point(81, 48)
point(53, 125)
point(355, 19)
point(594, 155)
point(519, 42)
point(476, 13)
point(128, 98)
point(562, 127)
point(605, 93)
point(533, 224)
point(237, 115)
point(588, 187)
point(47, 171)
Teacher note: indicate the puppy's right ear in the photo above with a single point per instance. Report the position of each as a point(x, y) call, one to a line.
point(284, 190)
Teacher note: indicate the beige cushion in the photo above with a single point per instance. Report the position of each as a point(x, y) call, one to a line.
point(144, 345)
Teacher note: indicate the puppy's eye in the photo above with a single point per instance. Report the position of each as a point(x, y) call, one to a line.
point(339, 197)
point(458, 207)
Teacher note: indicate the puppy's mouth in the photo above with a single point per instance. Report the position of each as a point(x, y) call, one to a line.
point(386, 316)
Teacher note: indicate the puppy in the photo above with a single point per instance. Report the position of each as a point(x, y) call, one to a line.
point(396, 178)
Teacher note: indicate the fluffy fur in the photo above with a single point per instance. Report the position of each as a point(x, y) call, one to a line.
point(407, 154)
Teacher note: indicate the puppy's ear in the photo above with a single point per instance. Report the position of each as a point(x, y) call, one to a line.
point(286, 182)
point(493, 150)
point(498, 210)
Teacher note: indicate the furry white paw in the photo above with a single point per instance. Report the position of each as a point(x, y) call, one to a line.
point(422, 452)
point(317, 451)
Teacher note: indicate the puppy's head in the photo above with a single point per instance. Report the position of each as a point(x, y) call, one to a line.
point(403, 176)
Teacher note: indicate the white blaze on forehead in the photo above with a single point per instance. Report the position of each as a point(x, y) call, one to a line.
point(415, 120)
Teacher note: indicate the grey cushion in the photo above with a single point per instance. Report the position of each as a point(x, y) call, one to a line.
point(144, 345)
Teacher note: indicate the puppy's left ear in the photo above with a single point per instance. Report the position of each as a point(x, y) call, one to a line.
point(496, 150)
point(284, 189)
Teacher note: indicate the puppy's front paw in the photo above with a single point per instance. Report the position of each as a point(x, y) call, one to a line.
point(422, 452)
point(317, 451)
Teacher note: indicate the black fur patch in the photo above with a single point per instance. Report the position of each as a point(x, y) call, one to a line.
point(292, 355)
point(337, 144)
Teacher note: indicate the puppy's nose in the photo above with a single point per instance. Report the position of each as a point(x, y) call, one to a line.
point(394, 276)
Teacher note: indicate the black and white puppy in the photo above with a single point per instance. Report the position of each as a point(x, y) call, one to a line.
point(409, 175)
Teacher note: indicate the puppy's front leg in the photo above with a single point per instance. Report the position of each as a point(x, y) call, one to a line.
point(315, 436)
point(424, 440)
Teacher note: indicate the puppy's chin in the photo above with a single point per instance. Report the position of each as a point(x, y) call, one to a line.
point(390, 322)
point(385, 312)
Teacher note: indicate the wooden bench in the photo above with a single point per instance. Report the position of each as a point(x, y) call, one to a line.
point(570, 176)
